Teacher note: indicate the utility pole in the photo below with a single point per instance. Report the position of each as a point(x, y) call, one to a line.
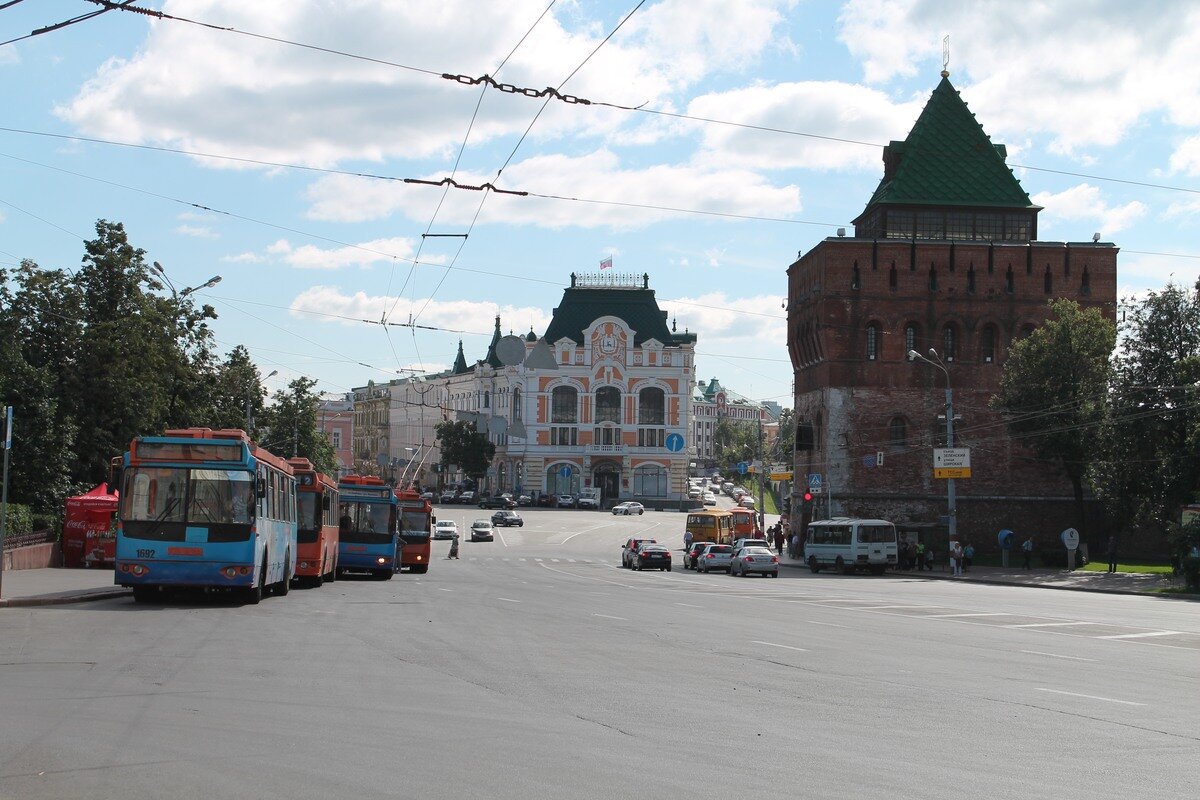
point(762, 507)
point(8, 426)
point(951, 510)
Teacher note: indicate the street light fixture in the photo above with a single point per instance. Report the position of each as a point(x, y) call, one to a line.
point(208, 284)
point(933, 359)
point(250, 408)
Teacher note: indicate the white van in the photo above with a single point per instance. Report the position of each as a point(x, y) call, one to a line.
point(851, 544)
point(588, 498)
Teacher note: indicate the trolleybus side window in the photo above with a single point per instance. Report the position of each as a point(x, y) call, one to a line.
point(876, 534)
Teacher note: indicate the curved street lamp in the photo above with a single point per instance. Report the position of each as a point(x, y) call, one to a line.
point(933, 359)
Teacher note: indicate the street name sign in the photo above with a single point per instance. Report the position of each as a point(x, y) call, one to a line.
point(952, 462)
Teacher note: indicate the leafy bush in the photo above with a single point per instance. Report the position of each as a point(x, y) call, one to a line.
point(20, 520)
point(43, 521)
point(1191, 573)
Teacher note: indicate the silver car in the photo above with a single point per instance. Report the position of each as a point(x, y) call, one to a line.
point(755, 559)
point(445, 529)
point(715, 556)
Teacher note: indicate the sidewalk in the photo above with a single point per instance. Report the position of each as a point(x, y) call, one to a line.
point(1077, 581)
point(52, 586)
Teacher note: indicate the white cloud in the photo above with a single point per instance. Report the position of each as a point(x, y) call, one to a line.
point(1140, 273)
point(1083, 202)
point(213, 92)
point(1186, 158)
point(465, 316)
point(196, 231)
point(725, 324)
point(596, 176)
point(363, 254)
point(9, 55)
point(825, 108)
point(1084, 72)
point(1184, 209)
point(245, 258)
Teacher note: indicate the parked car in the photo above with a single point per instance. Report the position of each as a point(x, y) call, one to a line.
point(497, 501)
point(482, 531)
point(755, 559)
point(748, 541)
point(714, 556)
point(694, 493)
point(564, 501)
point(508, 518)
point(709, 499)
point(445, 529)
point(629, 507)
point(524, 500)
point(448, 496)
point(588, 498)
point(427, 496)
point(467, 497)
point(746, 501)
point(546, 500)
point(693, 553)
point(736, 492)
point(630, 548)
point(652, 556)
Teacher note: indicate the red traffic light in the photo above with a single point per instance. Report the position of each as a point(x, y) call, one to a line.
point(808, 497)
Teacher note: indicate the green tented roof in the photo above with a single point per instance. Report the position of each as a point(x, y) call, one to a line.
point(460, 362)
point(581, 306)
point(948, 160)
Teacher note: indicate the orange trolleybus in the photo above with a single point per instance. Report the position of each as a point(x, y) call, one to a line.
point(317, 527)
point(416, 530)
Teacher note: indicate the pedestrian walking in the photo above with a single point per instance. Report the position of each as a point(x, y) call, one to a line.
point(1112, 553)
point(779, 539)
point(968, 556)
point(453, 548)
point(687, 541)
point(920, 556)
point(1027, 551)
point(956, 556)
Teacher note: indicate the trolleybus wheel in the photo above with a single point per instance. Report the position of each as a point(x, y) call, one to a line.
point(143, 594)
point(253, 595)
point(285, 585)
point(813, 565)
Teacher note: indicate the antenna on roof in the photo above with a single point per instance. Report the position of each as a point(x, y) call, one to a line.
point(1096, 236)
point(946, 57)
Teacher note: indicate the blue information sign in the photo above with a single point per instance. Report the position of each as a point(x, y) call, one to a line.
point(743, 467)
point(564, 471)
point(674, 442)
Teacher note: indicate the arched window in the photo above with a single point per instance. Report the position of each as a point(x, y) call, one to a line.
point(873, 342)
point(650, 480)
point(949, 342)
point(487, 399)
point(516, 403)
point(608, 404)
point(562, 479)
point(898, 433)
point(971, 279)
point(892, 276)
point(987, 344)
point(1009, 286)
point(911, 335)
point(855, 278)
point(1048, 281)
point(651, 406)
point(564, 405)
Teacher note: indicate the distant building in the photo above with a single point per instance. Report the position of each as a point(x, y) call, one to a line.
point(335, 415)
point(944, 256)
point(394, 423)
point(711, 403)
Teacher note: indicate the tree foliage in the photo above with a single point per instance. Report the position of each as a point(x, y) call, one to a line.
point(292, 422)
point(1054, 386)
point(734, 441)
point(464, 446)
point(1151, 442)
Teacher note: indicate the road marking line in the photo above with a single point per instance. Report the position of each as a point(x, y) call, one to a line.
point(1050, 624)
point(570, 561)
point(523, 559)
point(609, 616)
point(689, 605)
point(876, 608)
point(784, 646)
point(982, 614)
point(826, 624)
point(538, 560)
point(508, 600)
point(444, 589)
point(1140, 635)
point(1056, 655)
point(1090, 697)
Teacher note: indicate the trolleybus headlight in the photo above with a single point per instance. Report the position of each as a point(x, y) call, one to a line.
point(138, 570)
point(419, 558)
point(229, 572)
point(303, 565)
point(381, 560)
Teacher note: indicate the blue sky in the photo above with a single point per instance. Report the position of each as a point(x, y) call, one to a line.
point(1099, 89)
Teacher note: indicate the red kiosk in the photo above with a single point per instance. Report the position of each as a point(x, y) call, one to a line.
point(89, 533)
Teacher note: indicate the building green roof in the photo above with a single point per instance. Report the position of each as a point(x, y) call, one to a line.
point(491, 359)
point(948, 160)
point(460, 362)
point(581, 306)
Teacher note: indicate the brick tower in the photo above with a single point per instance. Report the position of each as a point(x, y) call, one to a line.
point(945, 256)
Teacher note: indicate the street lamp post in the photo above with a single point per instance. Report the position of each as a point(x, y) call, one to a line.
point(934, 360)
point(250, 408)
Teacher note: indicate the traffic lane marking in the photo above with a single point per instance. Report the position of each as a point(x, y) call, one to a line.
point(1051, 624)
point(784, 646)
point(1088, 696)
point(1141, 635)
point(1058, 655)
point(610, 616)
point(508, 599)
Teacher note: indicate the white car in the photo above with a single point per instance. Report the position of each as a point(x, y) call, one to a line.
point(629, 507)
point(709, 499)
point(445, 529)
point(746, 501)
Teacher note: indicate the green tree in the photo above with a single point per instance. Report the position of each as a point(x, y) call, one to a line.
point(461, 444)
point(292, 422)
point(237, 383)
point(1053, 389)
point(1151, 442)
point(734, 441)
point(782, 447)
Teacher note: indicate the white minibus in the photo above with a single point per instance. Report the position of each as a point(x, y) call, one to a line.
point(851, 544)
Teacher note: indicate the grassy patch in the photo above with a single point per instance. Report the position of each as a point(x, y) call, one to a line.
point(1143, 568)
point(1176, 590)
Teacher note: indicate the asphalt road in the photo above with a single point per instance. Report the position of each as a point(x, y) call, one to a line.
point(535, 667)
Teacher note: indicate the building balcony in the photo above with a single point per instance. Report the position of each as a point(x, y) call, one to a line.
point(604, 448)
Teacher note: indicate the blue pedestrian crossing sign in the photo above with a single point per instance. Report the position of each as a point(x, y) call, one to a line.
point(814, 482)
point(674, 442)
point(743, 467)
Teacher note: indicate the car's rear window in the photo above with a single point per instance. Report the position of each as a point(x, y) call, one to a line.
point(759, 551)
point(720, 548)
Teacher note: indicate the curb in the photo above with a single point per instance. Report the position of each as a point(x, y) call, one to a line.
point(65, 598)
point(992, 582)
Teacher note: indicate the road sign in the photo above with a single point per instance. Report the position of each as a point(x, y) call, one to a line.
point(780, 467)
point(952, 462)
point(814, 482)
point(564, 471)
point(781, 476)
point(743, 467)
point(674, 442)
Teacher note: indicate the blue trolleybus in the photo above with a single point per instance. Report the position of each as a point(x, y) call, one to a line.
point(367, 528)
point(204, 509)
